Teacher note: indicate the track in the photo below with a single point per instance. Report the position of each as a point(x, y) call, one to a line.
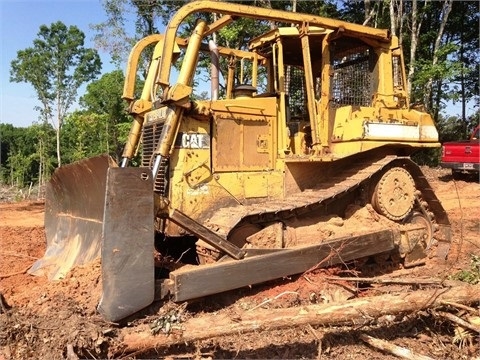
point(358, 175)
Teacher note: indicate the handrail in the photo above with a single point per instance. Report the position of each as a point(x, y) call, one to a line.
point(232, 9)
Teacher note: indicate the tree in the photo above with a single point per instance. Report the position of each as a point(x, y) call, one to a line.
point(104, 97)
point(26, 153)
point(44, 134)
point(56, 66)
point(447, 7)
point(86, 134)
point(462, 30)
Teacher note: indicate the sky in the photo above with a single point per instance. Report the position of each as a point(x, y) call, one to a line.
point(20, 21)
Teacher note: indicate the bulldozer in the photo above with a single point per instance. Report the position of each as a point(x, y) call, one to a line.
point(307, 125)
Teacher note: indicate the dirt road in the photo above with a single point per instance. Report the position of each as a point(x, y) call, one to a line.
point(44, 318)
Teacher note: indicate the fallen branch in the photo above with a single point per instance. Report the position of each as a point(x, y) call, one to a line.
point(430, 281)
point(4, 276)
point(270, 300)
point(461, 306)
point(8, 253)
point(390, 348)
point(350, 312)
point(459, 321)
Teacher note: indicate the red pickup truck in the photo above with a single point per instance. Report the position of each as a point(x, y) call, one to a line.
point(462, 156)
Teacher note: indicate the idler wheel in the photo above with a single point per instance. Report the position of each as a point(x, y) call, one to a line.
point(420, 219)
point(394, 194)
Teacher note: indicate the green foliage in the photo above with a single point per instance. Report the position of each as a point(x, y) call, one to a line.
point(89, 134)
point(104, 96)
point(472, 275)
point(58, 63)
point(86, 135)
point(104, 124)
point(56, 66)
point(443, 72)
point(463, 31)
point(112, 35)
point(456, 75)
point(429, 157)
point(28, 154)
point(454, 128)
point(22, 152)
point(451, 128)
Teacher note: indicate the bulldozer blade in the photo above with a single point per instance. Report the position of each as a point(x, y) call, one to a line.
point(128, 269)
point(74, 202)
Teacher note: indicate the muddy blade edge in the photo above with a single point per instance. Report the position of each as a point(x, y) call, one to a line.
point(128, 276)
point(74, 202)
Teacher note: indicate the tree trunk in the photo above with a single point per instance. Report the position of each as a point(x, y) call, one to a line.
point(370, 12)
point(59, 158)
point(40, 166)
point(447, 7)
point(351, 312)
point(415, 35)
point(462, 76)
point(396, 19)
point(393, 18)
point(390, 348)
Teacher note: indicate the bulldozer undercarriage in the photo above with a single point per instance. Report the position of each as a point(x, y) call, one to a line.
point(276, 238)
point(396, 196)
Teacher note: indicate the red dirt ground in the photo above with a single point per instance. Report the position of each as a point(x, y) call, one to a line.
point(45, 317)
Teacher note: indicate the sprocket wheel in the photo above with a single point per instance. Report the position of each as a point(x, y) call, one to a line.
point(394, 194)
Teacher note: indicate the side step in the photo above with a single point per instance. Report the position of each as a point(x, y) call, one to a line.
point(193, 282)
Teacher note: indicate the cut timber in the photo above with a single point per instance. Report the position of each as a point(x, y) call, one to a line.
point(351, 312)
point(193, 282)
point(399, 351)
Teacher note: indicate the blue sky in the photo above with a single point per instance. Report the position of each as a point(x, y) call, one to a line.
point(20, 22)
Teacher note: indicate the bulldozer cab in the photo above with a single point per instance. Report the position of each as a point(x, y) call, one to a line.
point(295, 68)
point(318, 76)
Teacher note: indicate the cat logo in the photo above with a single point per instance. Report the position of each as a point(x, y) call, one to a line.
point(192, 141)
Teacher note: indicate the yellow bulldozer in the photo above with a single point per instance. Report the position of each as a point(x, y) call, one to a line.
point(311, 123)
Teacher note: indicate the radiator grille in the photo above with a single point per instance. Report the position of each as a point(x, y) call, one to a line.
point(150, 137)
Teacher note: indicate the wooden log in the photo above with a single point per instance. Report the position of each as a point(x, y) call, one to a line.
point(390, 348)
point(461, 306)
point(194, 282)
point(459, 321)
point(351, 312)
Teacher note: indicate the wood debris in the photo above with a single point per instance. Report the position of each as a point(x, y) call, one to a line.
point(356, 312)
